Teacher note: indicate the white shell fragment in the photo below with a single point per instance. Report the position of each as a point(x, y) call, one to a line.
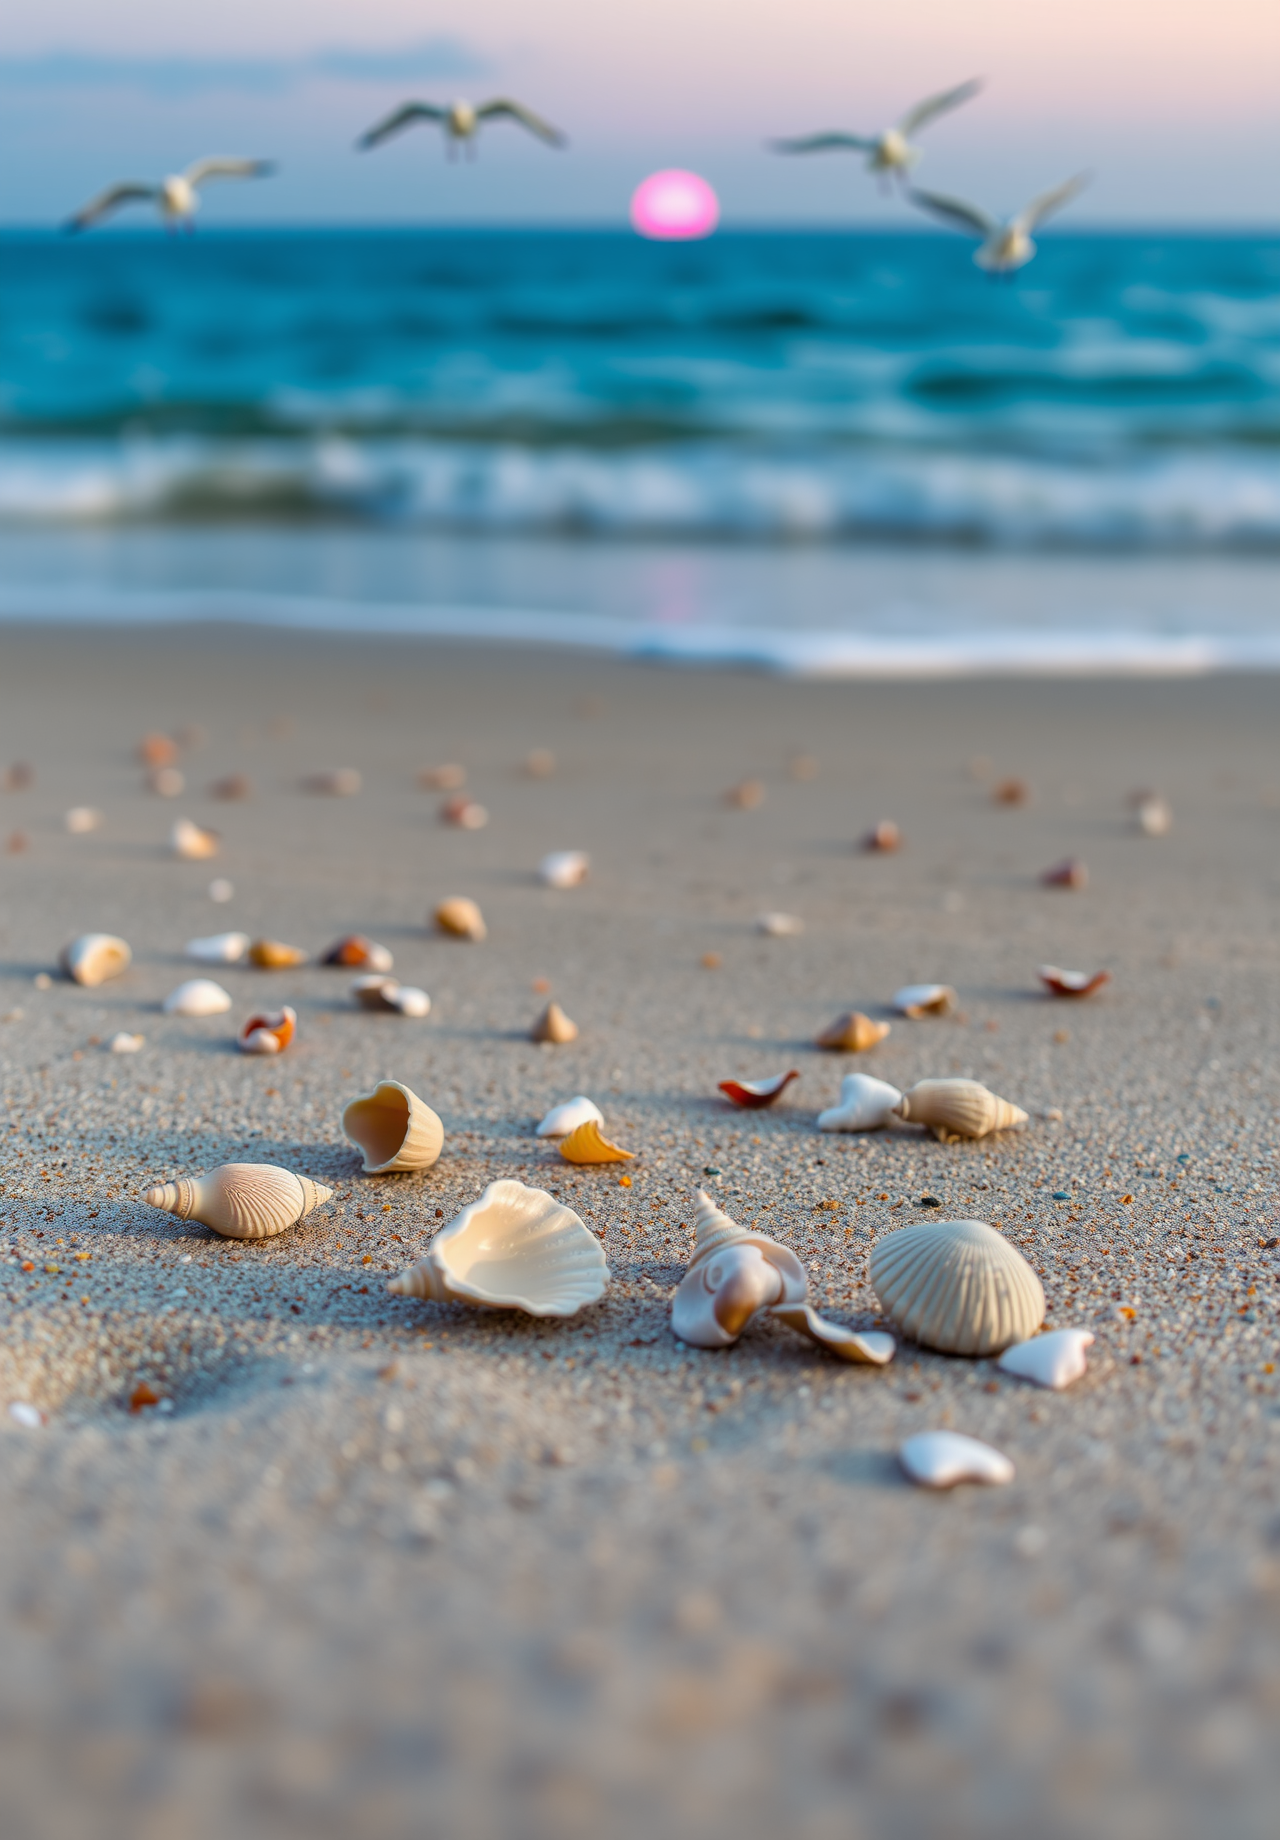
point(516, 1248)
point(192, 843)
point(197, 997)
point(957, 1108)
point(869, 1346)
point(918, 1000)
point(956, 1285)
point(82, 819)
point(241, 1200)
point(866, 1104)
point(562, 1119)
point(779, 926)
point(388, 995)
point(1152, 815)
point(940, 1459)
point(1053, 1360)
point(393, 1129)
point(28, 1416)
point(219, 949)
point(733, 1273)
point(124, 1043)
point(564, 868)
point(95, 957)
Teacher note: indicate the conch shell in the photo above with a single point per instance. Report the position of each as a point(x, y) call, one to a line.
point(554, 1026)
point(586, 1145)
point(393, 1129)
point(957, 1285)
point(197, 997)
point(461, 918)
point(218, 948)
point(865, 1104)
point(1061, 983)
point(852, 1033)
point(274, 955)
point(389, 995)
point(270, 1034)
point(920, 1000)
point(957, 1108)
point(562, 1119)
point(756, 1093)
point(516, 1248)
point(871, 1346)
point(564, 868)
point(732, 1274)
point(95, 957)
point(241, 1200)
point(358, 954)
point(188, 840)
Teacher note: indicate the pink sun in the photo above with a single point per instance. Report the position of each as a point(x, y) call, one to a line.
point(674, 206)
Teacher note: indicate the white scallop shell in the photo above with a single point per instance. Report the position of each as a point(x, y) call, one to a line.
point(191, 842)
point(870, 1345)
point(940, 1459)
point(564, 868)
point(95, 957)
point(924, 999)
point(865, 1105)
point(197, 997)
point(956, 1285)
point(562, 1119)
point(241, 1200)
point(516, 1248)
point(958, 1108)
point(1053, 1360)
point(393, 1129)
point(732, 1274)
point(219, 949)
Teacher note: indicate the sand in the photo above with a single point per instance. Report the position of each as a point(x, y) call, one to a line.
point(386, 1567)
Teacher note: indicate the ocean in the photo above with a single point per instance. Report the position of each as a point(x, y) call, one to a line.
point(836, 452)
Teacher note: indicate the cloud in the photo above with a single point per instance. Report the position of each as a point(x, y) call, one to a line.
point(179, 76)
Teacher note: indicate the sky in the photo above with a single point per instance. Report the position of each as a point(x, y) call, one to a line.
point(1171, 105)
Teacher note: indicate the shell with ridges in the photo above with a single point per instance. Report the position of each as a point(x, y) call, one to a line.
point(957, 1108)
point(732, 1274)
point(956, 1285)
point(852, 1033)
point(241, 1200)
point(393, 1129)
point(869, 1346)
point(197, 997)
point(460, 918)
point(516, 1248)
point(866, 1104)
point(587, 1145)
point(554, 1026)
point(95, 957)
point(563, 1119)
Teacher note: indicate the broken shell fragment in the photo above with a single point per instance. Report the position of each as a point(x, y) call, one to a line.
point(562, 1119)
point(269, 1034)
point(157, 751)
point(358, 954)
point(388, 995)
point(756, 1093)
point(516, 1248)
point(554, 1026)
point(192, 843)
point(919, 1000)
point(957, 1286)
point(1010, 792)
point(218, 949)
point(866, 1104)
point(1061, 983)
point(779, 926)
point(197, 997)
point(95, 957)
point(82, 819)
point(941, 1459)
point(871, 1346)
point(460, 918)
point(585, 1144)
point(464, 814)
point(957, 1108)
point(1053, 1360)
point(393, 1129)
point(539, 763)
point(1070, 873)
point(241, 1200)
point(883, 837)
point(338, 783)
point(732, 1274)
point(746, 795)
point(1151, 814)
point(852, 1033)
point(447, 778)
point(274, 955)
point(564, 868)
point(124, 1043)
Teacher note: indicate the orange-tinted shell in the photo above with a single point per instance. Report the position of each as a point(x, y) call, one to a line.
point(757, 1093)
point(586, 1145)
point(274, 955)
point(269, 1034)
point(852, 1033)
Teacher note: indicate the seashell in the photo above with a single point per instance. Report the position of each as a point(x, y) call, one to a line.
point(564, 868)
point(865, 1104)
point(852, 1033)
point(460, 918)
point(919, 1000)
point(871, 1345)
point(192, 843)
point(197, 997)
point(956, 1285)
point(449, 778)
point(218, 948)
point(1070, 873)
point(1072, 983)
point(358, 953)
point(241, 1200)
point(516, 1248)
point(16, 842)
point(940, 1459)
point(389, 995)
point(539, 763)
point(338, 783)
point(1152, 816)
point(393, 1129)
point(1011, 792)
point(124, 1043)
point(553, 1026)
point(746, 795)
point(28, 1416)
point(270, 1034)
point(464, 814)
point(157, 751)
point(757, 1093)
point(273, 955)
point(779, 926)
point(1053, 1360)
point(803, 767)
point(883, 837)
point(563, 1119)
point(81, 819)
point(95, 957)
point(732, 1274)
point(221, 890)
point(234, 786)
point(166, 782)
point(957, 1108)
point(584, 1144)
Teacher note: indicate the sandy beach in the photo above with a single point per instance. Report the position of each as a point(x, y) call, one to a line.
point(393, 1568)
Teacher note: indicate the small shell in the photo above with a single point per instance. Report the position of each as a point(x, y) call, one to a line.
point(1053, 1360)
point(17, 778)
point(1061, 983)
point(883, 837)
point(124, 1043)
point(448, 778)
point(410, 1000)
point(388, 995)
point(218, 949)
point(564, 868)
point(940, 1459)
point(460, 918)
point(241, 1200)
point(157, 751)
point(357, 953)
point(197, 997)
point(562, 1119)
point(865, 1105)
point(221, 890)
point(957, 1108)
point(1151, 814)
point(192, 843)
point(1011, 792)
point(234, 786)
point(166, 782)
point(732, 1274)
point(393, 1129)
point(269, 1034)
point(1071, 873)
point(539, 763)
point(756, 1093)
point(464, 814)
point(516, 1248)
point(95, 957)
point(746, 795)
point(956, 1285)
point(586, 1145)
point(82, 819)
point(919, 1000)
point(779, 926)
point(274, 955)
point(554, 1026)
point(338, 783)
point(852, 1033)
point(870, 1346)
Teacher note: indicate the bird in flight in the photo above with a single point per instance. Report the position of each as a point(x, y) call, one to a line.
point(891, 153)
point(461, 122)
point(177, 197)
point(1005, 246)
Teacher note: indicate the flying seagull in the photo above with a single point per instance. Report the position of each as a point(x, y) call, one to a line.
point(893, 151)
point(461, 122)
point(176, 198)
point(1005, 246)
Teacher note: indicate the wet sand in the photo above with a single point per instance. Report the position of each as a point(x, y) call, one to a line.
point(397, 1568)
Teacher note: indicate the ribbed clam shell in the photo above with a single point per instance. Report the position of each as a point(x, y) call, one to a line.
point(393, 1129)
point(516, 1248)
point(241, 1200)
point(957, 1108)
point(958, 1286)
point(865, 1105)
point(95, 957)
point(733, 1273)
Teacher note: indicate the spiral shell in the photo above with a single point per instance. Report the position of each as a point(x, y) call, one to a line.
point(241, 1200)
point(852, 1033)
point(957, 1108)
point(460, 918)
point(587, 1145)
point(958, 1286)
point(554, 1026)
point(516, 1248)
point(732, 1274)
point(95, 957)
point(393, 1129)
point(866, 1104)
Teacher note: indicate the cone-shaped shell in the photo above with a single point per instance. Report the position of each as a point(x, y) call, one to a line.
point(958, 1286)
point(460, 918)
point(190, 841)
point(274, 955)
point(587, 1145)
point(393, 1129)
point(866, 1104)
point(562, 1119)
point(95, 957)
point(516, 1248)
point(871, 1346)
point(358, 953)
point(269, 1034)
point(852, 1033)
point(733, 1273)
point(957, 1108)
point(554, 1025)
point(241, 1200)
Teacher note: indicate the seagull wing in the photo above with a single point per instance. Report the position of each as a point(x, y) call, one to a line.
point(954, 211)
point(1049, 202)
point(938, 105)
point(108, 201)
point(226, 168)
point(402, 117)
point(516, 111)
point(824, 143)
